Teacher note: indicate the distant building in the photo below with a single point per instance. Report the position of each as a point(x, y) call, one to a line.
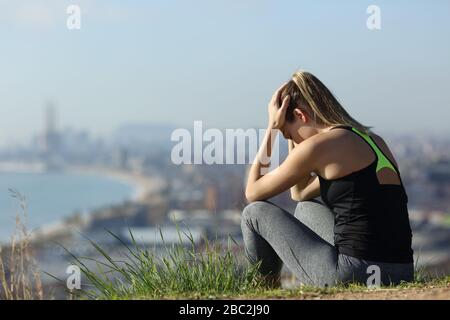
point(211, 199)
point(51, 140)
point(440, 172)
point(51, 135)
point(120, 158)
point(439, 175)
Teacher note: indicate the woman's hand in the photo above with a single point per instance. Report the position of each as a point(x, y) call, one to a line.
point(277, 114)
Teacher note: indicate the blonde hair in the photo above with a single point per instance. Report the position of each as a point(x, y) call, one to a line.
point(309, 93)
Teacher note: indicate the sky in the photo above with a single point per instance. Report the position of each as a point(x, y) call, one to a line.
point(219, 61)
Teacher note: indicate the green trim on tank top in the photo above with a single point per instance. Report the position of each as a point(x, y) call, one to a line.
point(382, 162)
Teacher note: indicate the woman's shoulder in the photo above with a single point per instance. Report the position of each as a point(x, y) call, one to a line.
point(321, 147)
point(330, 138)
point(338, 139)
point(336, 143)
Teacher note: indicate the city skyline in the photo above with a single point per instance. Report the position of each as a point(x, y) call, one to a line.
point(174, 63)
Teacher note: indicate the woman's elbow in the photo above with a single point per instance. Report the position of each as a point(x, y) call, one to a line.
point(250, 196)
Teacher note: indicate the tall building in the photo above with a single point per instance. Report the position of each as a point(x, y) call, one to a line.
point(51, 135)
point(51, 140)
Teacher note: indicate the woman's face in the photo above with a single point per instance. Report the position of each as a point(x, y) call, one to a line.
point(293, 130)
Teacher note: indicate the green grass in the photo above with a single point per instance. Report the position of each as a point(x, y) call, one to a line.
point(185, 272)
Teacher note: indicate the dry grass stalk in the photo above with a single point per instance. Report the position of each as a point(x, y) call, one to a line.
point(19, 276)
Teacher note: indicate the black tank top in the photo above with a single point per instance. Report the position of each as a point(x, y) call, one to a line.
point(371, 219)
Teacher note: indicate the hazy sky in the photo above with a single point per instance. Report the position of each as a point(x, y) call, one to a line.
point(219, 61)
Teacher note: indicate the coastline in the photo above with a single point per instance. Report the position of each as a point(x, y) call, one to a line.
point(21, 167)
point(143, 188)
point(143, 185)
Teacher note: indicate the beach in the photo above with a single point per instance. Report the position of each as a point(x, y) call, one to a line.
point(143, 185)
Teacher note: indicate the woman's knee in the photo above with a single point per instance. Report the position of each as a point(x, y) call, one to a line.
point(253, 209)
point(259, 212)
point(304, 209)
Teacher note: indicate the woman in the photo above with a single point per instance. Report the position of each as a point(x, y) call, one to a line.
point(363, 221)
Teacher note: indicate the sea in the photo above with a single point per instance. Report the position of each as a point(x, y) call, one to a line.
point(50, 197)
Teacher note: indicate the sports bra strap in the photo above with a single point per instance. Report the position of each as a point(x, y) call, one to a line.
point(382, 159)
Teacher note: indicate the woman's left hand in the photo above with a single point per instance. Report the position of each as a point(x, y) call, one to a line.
point(277, 114)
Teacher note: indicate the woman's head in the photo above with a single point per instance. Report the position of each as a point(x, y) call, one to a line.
point(312, 106)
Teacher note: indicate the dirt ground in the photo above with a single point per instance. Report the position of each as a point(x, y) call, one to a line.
point(439, 291)
point(431, 293)
point(390, 294)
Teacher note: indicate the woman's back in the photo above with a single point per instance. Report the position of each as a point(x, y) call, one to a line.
point(361, 183)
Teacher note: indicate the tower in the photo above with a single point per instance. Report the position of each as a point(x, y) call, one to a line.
point(51, 137)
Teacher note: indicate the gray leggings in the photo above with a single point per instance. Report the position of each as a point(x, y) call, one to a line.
point(304, 243)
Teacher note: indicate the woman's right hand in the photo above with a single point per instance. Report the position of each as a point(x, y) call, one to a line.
point(277, 113)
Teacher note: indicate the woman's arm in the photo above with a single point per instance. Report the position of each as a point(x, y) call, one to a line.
point(307, 189)
point(262, 160)
point(295, 190)
point(311, 191)
point(295, 169)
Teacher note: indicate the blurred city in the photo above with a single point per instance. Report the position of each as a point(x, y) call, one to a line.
point(203, 200)
point(88, 110)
